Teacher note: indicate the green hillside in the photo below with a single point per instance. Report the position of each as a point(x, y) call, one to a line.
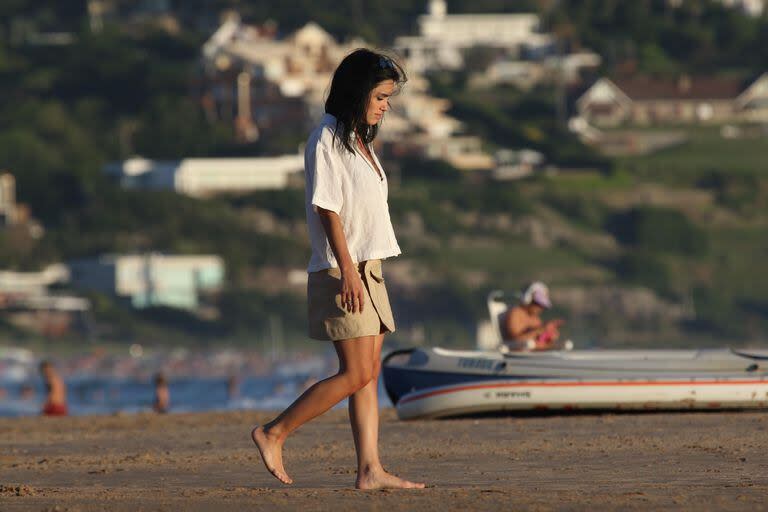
point(687, 223)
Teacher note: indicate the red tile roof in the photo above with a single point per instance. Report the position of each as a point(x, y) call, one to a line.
point(684, 88)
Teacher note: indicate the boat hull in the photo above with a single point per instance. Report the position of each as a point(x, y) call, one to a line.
point(569, 395)
point(434, 382)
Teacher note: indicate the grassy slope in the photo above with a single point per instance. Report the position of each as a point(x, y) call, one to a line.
point(706, 151)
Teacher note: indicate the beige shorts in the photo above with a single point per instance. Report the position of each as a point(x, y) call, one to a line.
point(329, 321)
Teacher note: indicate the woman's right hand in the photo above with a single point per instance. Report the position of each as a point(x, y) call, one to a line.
point(352, 293)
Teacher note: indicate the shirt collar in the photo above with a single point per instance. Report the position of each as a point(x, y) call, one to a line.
point(330, 120)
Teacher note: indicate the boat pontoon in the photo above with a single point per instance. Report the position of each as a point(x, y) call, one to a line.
point(437, 382)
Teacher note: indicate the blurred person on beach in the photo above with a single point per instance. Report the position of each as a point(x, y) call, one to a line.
point(350, 233)
point(27, 392)
point(233, 387)
point(523, 326)
point(162, 395)
point(55, 391)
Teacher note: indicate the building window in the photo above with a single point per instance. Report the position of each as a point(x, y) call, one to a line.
point(704, 112)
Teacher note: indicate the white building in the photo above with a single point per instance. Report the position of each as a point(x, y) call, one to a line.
point(753, 8)
point(648, 100)
point(151, 279)
point(30, 291)
point(201, 177)
point(13, 213)
point(516, 164)
point(32, 283)
point(443, 37)
point(261, 83)
point(301, 65)
point(7, 199)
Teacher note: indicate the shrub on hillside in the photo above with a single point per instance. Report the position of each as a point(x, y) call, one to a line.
point(739, 192)
point(584, 210)
point(287, 204)
point(418, 169)
point(488, 198)
point(658, 229)
point(646, 269)
point(253, 310)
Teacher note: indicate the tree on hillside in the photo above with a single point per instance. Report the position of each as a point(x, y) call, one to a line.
point(696, 37)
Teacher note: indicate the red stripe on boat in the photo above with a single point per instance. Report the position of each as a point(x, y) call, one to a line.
point(574, 384)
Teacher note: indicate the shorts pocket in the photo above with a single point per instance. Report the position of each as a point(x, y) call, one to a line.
point(377, 274)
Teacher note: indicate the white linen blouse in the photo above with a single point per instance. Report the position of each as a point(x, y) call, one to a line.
point(349, 185)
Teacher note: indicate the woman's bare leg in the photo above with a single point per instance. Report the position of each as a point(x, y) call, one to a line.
point(355, 371)
point(364, 418)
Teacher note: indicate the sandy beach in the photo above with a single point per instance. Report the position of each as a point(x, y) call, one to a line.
point(690, 461)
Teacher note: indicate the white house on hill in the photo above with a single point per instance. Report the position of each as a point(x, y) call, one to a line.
point(443, 37)
point(201, 177)
point(645, 100)
point(151, 279)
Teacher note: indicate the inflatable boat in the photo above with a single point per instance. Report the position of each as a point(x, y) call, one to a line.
point(435, 382)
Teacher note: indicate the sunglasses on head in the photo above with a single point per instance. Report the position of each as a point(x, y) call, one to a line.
point(385, 63)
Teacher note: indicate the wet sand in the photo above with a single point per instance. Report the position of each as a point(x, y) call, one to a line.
point(690, 461)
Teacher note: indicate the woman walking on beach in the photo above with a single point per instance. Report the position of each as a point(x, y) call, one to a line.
point(350, 233)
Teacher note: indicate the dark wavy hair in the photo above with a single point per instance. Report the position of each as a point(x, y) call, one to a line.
point(353, 81)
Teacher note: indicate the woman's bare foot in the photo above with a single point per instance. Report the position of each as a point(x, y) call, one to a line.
point(370, 479)
point(271, 453)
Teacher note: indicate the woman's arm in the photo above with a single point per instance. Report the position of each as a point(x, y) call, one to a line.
point(352, 293)
point(529, 333)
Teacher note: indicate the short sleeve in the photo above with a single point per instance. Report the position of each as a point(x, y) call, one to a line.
point(327, 181)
